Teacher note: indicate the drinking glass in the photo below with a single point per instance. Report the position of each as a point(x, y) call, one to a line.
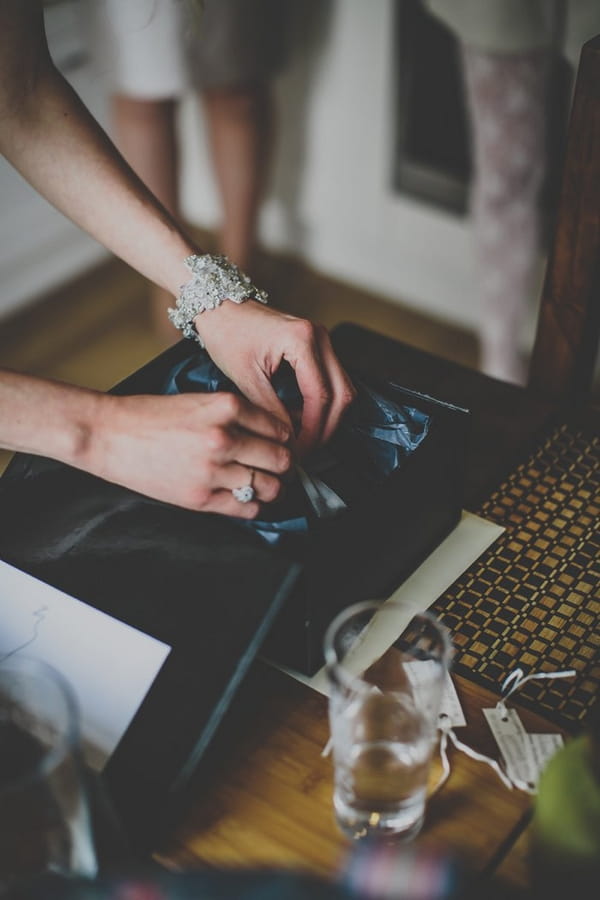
point(384, 699)
point(44, 815)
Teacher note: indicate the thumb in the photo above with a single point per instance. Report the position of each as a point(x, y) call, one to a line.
point(257, 388)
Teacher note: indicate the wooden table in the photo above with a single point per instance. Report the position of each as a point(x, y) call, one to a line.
point(269, 800)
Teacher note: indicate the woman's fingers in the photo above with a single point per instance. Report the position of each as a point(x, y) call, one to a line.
point(266, 487)
point(243, 433)
point(233, 409)
point(257, 387)
point(244, 444)
point(343, 391)
point(258, 453)
point(326, 389)
point(249, 342)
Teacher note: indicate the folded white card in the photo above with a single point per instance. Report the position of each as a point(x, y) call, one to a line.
point(109, 665)
point(449, 560)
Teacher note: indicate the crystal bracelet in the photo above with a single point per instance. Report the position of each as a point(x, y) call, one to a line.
point(214, 279)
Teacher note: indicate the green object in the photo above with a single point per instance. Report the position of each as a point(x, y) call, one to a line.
point(567, 809)
point(566, 820)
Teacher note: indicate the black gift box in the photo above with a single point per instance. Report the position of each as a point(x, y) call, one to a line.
point(130, 553)
point(212, 588)
point(387, 531)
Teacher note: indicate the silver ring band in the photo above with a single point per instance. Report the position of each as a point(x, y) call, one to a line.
point(246, 493)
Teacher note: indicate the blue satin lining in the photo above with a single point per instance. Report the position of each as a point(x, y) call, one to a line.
point(375, 435)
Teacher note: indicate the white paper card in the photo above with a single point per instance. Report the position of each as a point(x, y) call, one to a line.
point(420, 673)
point(109, 665)
point(514, 745)
point(451, 709)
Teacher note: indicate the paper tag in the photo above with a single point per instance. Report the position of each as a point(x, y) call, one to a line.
point(420, 673)
point(515, 746)
point(544, 747)
point(450, 708)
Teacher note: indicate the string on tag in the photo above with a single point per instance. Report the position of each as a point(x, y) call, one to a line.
point(513, 682)
point(516, 679)
point(447, 733)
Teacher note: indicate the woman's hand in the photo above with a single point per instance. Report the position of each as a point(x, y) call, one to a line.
point(190, 450)
point(249, 342)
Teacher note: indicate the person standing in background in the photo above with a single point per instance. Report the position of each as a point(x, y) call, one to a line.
point(229, 51)
point(505, 47)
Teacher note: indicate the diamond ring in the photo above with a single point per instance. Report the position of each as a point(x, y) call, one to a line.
point(246, 493)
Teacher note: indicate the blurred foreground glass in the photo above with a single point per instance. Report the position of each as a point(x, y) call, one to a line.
point(384, 703)
point(44, 815)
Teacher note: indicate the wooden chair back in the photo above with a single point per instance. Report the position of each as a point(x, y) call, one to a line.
point(568, 330)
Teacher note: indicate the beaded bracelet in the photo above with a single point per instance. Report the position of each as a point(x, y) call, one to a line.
point(214, 279)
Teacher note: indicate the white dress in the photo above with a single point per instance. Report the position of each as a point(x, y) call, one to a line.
point(155, 49)
point(138, 46)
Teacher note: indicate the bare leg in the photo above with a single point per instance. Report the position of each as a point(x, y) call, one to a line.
point(146, 136)
point(240, 123)
point(506, 94)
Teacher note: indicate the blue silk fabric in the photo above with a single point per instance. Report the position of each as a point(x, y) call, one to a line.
point(376, 434)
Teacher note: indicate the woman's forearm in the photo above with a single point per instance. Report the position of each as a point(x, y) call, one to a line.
point(47, 417)
point(190, 450)
point(50, 137)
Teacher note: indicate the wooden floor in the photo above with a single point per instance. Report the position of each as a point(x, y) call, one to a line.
point(97, 329)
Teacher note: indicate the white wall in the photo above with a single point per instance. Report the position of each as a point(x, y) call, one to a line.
point(331, 199)
point(40, 248)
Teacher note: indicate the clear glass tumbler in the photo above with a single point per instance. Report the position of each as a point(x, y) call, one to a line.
point(44, 814)
point(384, 699)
